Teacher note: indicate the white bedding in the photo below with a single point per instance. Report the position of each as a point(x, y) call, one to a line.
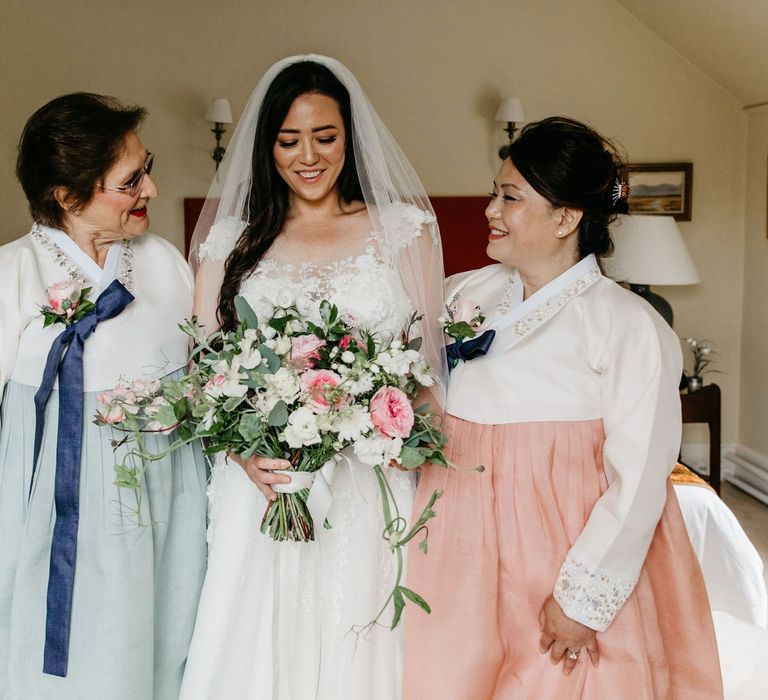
point(733, 574)
point(733, 570)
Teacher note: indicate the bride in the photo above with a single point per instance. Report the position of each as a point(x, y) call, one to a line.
point(314, 201)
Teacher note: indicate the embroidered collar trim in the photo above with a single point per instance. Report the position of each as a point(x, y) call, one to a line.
point(44, 237)
point(528, 315)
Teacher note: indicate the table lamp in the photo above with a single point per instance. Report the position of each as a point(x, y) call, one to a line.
point(650, 250)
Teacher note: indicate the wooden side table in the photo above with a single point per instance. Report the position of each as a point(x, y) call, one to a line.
point(703, 406)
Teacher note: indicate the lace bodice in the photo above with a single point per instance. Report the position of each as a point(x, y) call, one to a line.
point(365, 289)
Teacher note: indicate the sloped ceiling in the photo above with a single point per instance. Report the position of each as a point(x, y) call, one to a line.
point(727, 39)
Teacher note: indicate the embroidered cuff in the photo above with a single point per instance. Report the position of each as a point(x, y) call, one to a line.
point(590, 596)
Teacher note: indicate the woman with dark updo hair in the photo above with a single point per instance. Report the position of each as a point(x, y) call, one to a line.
point(570, 549)
point(99, 581)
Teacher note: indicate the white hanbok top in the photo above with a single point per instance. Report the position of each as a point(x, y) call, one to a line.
point(143, 340)
point(583, 348)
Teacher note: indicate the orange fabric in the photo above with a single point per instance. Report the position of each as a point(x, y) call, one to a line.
point(495, 549)
point(681, 475)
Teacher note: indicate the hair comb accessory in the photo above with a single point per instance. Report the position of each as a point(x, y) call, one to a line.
point(620, 191)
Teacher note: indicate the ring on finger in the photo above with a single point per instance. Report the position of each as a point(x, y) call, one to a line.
point(572, 655)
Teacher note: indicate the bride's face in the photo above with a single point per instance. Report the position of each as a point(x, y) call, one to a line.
point(309, 150)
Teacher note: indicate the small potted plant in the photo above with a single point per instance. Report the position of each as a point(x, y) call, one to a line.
point(703, 354)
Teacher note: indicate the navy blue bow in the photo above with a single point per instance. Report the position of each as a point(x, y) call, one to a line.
point(469, 349)
point(65, 358)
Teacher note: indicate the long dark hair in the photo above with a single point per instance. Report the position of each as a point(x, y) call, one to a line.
point(571, 165)
point(268, 200)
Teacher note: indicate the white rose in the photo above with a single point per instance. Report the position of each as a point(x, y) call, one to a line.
point(284, 384)
point(347, 356)
point(361, 385)
point(263, 309)
point(423, 374)
point(285, 298)
point(370, 450)
point(301, 429)
point(351, 423)
point(378, 451)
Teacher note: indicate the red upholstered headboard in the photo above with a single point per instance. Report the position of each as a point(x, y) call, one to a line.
point(463, 228)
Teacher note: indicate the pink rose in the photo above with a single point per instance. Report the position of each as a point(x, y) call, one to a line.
point(123, 393)
point(111, 413)
point(322, 386)
point(304, 350)
point(391, 412)
point(468, 312)
point(64, 297)
point(213, 387)
point(347, 340)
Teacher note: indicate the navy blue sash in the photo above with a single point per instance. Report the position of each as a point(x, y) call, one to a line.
point(65, 358)
point(469, 349)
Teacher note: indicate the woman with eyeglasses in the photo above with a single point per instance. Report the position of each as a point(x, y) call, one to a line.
point(98, 583)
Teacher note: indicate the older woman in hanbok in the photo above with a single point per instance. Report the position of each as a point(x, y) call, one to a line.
point(98, 589)
point(565, 570)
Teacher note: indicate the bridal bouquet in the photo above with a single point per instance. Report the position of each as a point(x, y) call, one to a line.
point(284, 386)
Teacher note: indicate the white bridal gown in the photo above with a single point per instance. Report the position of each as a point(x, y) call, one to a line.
point(277, 620)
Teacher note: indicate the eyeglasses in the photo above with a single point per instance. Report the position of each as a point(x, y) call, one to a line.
point(133, 186)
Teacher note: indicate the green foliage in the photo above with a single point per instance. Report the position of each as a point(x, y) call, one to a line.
point(245, 313)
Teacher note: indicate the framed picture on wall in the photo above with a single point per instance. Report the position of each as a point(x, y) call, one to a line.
point(661, 188)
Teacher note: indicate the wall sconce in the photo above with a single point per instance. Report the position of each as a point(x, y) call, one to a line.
point(219, 113)
point(649, 249)
point(510, 111)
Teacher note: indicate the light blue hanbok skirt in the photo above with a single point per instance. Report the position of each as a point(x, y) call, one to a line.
point(136, 587)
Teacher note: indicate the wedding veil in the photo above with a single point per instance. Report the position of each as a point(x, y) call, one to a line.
point(392, 192)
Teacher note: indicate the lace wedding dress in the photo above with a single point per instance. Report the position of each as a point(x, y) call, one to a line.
point(281, 620)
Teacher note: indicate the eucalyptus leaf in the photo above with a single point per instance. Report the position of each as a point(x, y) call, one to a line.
point(165, 415)
point(255, 380)
point(273, 361)
point(411, 457)
point(278, 416)
point(232, 403)
point(250, 427)
point(245, 313)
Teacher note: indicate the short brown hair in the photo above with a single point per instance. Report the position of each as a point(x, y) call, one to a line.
point(71, 142)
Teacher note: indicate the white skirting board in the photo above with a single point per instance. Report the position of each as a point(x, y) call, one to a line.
point(746, 469)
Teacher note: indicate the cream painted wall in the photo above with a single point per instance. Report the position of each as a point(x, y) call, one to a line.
point(754, 354)
point(435, 70)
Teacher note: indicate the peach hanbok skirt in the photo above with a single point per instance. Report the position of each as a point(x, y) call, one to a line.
point(495, 550)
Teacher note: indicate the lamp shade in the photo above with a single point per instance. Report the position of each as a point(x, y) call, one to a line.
point(650, 250)
point(219, 111)
point(510, 110)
